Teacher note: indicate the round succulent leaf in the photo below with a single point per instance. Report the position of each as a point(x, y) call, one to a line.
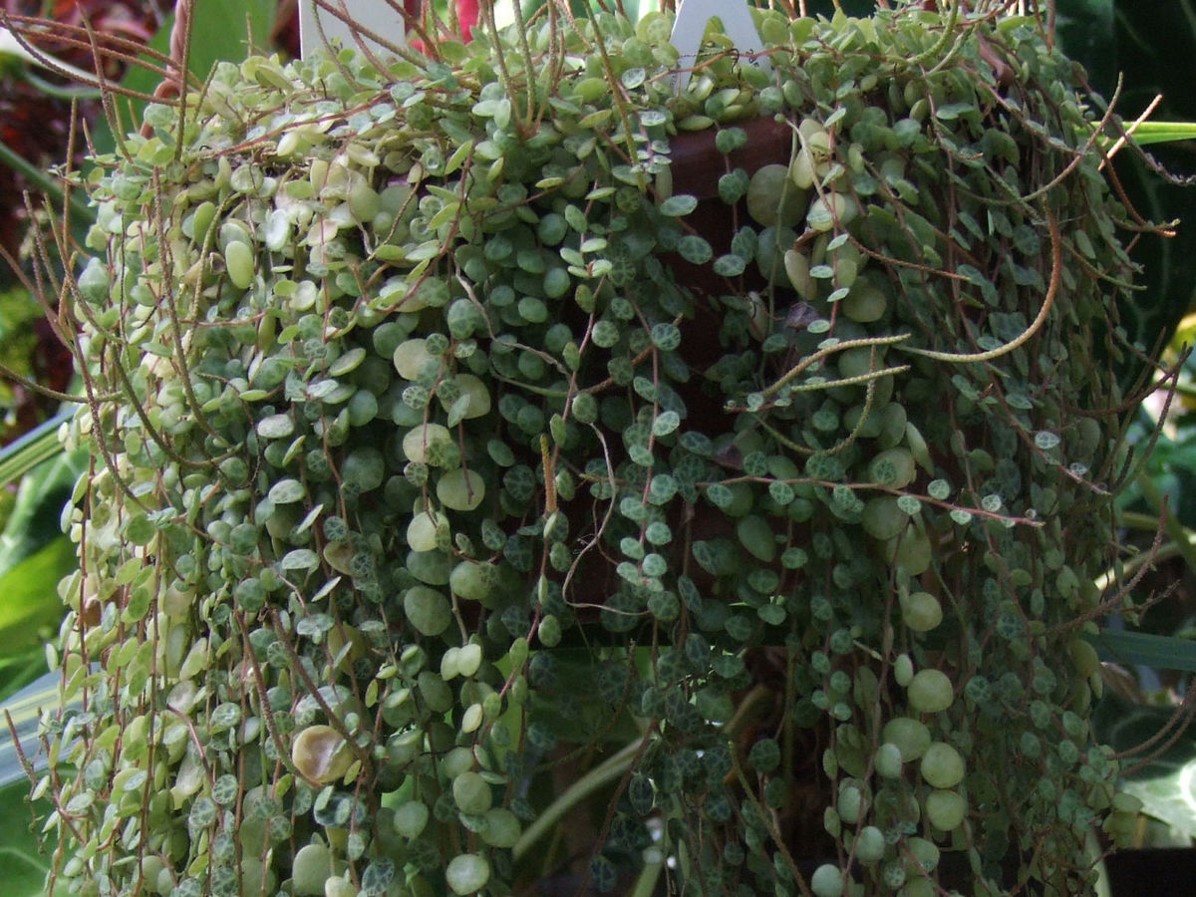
point(467, 873)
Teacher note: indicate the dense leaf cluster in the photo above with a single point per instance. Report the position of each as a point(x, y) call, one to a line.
point(439, 426)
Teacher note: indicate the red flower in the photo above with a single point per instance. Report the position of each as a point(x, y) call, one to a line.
point(467, 16)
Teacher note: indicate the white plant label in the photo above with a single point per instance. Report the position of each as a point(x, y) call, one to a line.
point(690, 27)
point(377, 16)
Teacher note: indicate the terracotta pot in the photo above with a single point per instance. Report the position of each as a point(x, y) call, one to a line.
point(697, 165)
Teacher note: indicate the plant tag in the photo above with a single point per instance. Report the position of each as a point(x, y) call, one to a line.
point(321, 28)
point(690, 27)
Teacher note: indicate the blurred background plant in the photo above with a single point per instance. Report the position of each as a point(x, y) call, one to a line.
point(51, 115)
point(37, 108)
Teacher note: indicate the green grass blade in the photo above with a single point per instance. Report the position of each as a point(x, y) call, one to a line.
point(1163, 132)
point(31, 608)
point(36, 446)
point(24, 708)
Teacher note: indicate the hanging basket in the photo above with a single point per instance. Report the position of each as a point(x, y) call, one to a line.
point(507, 469)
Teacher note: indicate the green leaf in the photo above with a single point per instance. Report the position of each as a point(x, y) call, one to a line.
point(694, 249)
point(287, 491)
point(1170, 798)
point(678, 206)
point(729, 266)
point(666, 423)
point(1161, 652)
point(30, 590)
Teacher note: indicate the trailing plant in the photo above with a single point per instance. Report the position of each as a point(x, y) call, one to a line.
point(444, 431)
